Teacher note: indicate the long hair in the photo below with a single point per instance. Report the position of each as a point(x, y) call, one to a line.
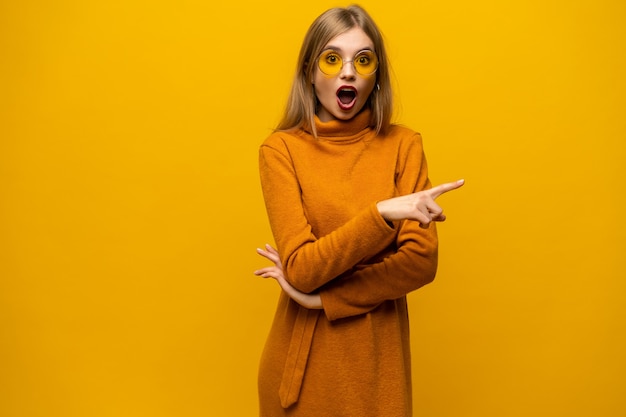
point(302, 102)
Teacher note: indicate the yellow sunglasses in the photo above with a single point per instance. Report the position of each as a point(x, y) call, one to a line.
point(365, 62)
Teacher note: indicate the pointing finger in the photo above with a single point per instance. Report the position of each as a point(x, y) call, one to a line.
point(444, 188)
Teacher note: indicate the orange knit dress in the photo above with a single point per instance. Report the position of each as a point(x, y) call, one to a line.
point(353, 357)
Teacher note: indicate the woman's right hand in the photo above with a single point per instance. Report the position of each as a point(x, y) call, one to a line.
point(311, 301)
point(420, 206)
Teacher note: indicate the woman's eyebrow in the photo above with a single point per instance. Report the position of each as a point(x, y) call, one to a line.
point(336, 48)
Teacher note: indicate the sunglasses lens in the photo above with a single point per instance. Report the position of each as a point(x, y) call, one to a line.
point(365, 63)
point(330, 62)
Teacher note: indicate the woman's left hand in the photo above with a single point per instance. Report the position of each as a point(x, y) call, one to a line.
point(312, 301)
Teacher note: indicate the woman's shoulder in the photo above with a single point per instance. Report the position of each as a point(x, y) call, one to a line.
point(403, 133)
point(402, 130)
point(283, 138)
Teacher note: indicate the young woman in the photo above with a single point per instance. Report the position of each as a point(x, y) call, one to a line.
point(352, 211)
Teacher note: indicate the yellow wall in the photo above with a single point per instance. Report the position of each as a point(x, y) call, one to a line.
point(130, 205)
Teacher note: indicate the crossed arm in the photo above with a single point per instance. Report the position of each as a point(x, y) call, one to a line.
point(420, 207)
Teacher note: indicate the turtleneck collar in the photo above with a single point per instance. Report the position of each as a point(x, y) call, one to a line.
point(344, 130)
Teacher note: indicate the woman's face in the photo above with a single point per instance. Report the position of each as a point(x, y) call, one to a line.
point(342, 96)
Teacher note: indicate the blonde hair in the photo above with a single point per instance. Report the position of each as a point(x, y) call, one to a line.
point(302, 102)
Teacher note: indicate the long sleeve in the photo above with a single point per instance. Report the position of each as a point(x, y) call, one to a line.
point(310, 262)
point(411, 267)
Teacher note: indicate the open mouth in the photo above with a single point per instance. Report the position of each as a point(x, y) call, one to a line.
point(346, 97)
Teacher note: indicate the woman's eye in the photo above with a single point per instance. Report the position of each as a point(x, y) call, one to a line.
point(363, 59)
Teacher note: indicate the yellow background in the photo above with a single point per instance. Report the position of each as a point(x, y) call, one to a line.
point(130, 205)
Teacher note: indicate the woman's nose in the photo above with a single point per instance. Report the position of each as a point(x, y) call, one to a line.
point(347, 70)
